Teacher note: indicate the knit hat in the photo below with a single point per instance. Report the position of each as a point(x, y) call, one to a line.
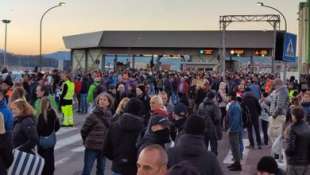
point(183, 168)
point(180, 109)
point(267, 164)
point(195, 125)
point(159, 120)
point(134, 106)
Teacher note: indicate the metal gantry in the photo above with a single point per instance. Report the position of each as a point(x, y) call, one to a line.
point(273, 19)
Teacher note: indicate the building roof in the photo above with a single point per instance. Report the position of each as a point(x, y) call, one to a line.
point(170, 39)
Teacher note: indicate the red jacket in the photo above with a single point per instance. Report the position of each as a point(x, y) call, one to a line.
point(77, 86)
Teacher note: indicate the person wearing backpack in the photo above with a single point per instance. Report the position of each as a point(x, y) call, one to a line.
point(121, 139)
point(48, 125)
point(93, 133)
point(212, 115)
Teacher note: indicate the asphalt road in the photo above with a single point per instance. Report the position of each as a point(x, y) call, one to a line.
point(69, 153)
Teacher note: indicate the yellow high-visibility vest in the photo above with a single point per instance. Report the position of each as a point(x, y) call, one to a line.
point(70, 90)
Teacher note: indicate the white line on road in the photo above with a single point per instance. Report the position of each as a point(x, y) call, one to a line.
point(65, 130)
point(68, 141)
point(61, 161)
point(229, 158)
point(78, 149)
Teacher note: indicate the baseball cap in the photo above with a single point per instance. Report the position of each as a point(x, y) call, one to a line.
point(159, 120)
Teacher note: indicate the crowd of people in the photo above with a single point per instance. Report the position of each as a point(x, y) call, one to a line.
point(157, 123)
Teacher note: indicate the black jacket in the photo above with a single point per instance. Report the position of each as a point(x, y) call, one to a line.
point(212, 115)
point(6, 155)
point(298, 148)
point(192, 149)
point(25, 135)
point(120, 144)
point(46, 128)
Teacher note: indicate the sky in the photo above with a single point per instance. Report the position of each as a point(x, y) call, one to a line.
point(82, 16)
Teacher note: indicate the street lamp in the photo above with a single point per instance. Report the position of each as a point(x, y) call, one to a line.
point(6, 22)
point(51, 8)
point(285, 29)
point(267, 6)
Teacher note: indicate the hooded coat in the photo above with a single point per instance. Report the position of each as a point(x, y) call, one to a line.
point(192, 149)
point(120, 144)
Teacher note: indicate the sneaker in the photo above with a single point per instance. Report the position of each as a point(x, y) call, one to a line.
point(249, 147)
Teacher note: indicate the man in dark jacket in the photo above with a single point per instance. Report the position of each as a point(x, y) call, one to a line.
point(298, 148)
point(120, 143)
point(191, 147)
point(212, 115)
point(252, 110)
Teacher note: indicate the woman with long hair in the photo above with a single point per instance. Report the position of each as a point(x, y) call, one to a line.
point(120, 108)
point(93, 133)
point(48, 125)
point(25, 135)
point(18, 92)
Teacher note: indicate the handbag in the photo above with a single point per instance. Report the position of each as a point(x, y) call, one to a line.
point(48, 141)
point(26, 163)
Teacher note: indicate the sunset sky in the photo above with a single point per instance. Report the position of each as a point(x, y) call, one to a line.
point(81, 16)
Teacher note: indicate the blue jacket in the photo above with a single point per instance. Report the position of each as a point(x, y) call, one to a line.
point(8, 117)
point(255, 90)
point(235, 117)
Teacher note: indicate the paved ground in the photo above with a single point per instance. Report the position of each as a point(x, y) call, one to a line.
point(69, 153)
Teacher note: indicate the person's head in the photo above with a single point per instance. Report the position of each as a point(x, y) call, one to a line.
point(297, 114)
point(232, 96)
point(277, 83)
point(156, 102)
point(122, 105)
point(140, 90)
point(164, 97)
point(18, 93)
point(121, 88)
point(152, 160)
point(65, 76)
point(211, 95)
point(21, 108)
point(180, 111)
point(134, 106)
point(222, 86)
point(195, 125)
point(267, 166)
point(158, 123)
point(104, 101)
point(41, 91)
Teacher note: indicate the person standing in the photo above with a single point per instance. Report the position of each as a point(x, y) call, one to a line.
point(120, 143)
point(84, 90)
point(264, 117)
point(66, 100)
point(7, 114)
point(6, 155)
point(297, 151)
point(93, 133)
point(235, 127)
point(25, 135)
point(48, 125)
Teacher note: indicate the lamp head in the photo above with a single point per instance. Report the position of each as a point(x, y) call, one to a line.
point(6, 21)
point(61, 3)
point(260, 3)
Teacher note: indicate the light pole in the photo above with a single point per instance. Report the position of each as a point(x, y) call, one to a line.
point(285, 29)
point(6, 22)
point(41, 21)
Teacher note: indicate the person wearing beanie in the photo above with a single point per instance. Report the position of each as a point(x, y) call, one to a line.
point(179, 117)
point(120, 143)
point(191, 147)
point(267, 166)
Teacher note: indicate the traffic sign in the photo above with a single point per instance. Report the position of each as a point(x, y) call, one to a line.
point(289, 49)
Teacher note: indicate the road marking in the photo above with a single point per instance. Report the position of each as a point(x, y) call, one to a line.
point(65, 130)
point(229, 158)
point(68, 141)
point(61, 161)
point(78, 149)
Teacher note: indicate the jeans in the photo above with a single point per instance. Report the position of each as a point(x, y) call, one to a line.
point(83, 103)
point(234, 140)
point(255, 124)
point(265, 131)
point(89, 159)
point(213, 143)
